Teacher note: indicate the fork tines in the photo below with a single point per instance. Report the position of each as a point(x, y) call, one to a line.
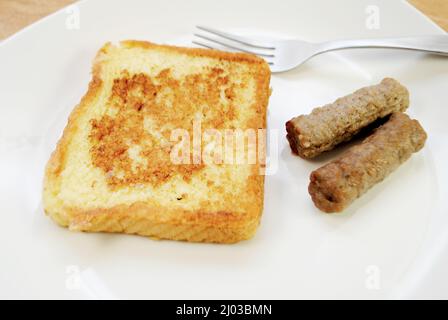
point(215, 39)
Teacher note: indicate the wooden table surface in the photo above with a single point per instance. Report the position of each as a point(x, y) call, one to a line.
point(16, 14)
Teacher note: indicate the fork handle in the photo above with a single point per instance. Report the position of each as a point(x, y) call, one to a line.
point(437, 44)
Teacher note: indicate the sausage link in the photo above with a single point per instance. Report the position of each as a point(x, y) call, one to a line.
point(337, 184)
point(327, 126)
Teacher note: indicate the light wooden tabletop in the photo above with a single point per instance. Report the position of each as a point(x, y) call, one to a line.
point(17, 14)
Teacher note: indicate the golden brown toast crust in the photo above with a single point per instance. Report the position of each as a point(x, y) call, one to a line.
point(150, 218)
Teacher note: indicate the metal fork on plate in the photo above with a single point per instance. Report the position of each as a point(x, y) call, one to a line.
point(283, 55)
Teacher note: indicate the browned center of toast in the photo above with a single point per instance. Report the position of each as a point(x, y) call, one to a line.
point(131, 143)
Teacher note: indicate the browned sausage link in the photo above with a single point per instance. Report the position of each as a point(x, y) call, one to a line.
point(327, 126)
point(334, 186)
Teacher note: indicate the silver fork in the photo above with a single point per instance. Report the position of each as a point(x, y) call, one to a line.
point(283, 55)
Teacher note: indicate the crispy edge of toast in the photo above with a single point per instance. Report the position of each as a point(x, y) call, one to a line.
point(148, 219)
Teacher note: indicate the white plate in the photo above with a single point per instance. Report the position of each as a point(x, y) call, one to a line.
point(392, 243)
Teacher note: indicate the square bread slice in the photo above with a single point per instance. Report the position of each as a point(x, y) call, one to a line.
point(112, 170)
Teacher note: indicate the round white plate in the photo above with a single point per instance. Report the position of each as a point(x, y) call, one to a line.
point(391, 243)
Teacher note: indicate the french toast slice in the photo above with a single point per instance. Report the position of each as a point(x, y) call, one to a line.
point(113, 168)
